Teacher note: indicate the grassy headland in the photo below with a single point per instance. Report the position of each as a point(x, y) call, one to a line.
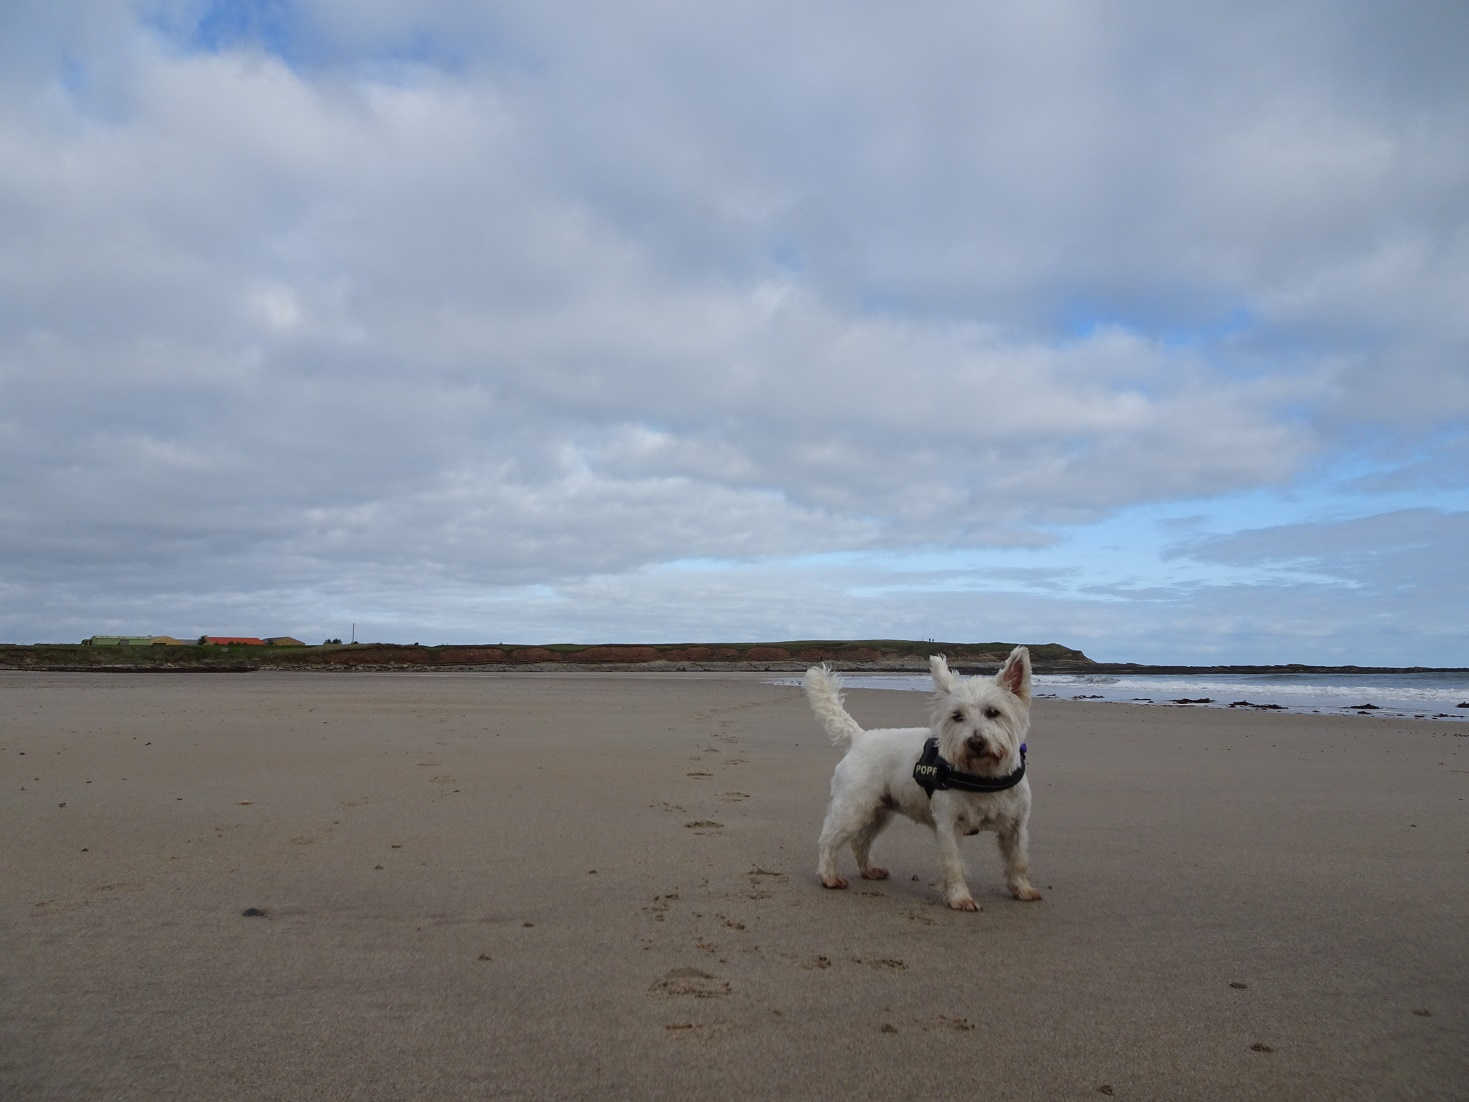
point(899, 655)
point(872, 654)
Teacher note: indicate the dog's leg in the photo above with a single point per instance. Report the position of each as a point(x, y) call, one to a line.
point(951, 869)
point(841, 824)
point(1014, 848)
point(862, 848)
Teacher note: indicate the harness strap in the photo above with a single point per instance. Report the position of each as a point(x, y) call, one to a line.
point(933, 772)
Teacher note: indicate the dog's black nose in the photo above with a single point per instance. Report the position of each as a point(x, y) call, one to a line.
point(977, 744)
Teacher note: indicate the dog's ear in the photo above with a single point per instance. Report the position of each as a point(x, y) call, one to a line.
point(1014, 675)
point(943, 680)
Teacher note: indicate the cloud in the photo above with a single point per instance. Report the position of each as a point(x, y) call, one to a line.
point(1362, 551)
point(301, 306)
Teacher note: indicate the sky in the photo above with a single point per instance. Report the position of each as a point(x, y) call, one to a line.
point(1137, 327)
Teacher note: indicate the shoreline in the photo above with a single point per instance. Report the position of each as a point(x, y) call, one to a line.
point(967, 668)
point(1291, 695)
point(788, 673)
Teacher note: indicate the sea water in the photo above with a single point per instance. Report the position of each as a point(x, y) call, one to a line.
point(1414, 695)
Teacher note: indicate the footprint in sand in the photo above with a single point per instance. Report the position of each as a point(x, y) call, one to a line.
point(759, 878)
point(704, 826)
point(692, 982)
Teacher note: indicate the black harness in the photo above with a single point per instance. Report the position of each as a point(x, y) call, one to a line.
point(932, 772)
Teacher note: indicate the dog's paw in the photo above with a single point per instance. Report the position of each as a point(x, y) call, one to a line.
point(965, 904)
point(872, 872)
point(833, 882)
point(1026, 894)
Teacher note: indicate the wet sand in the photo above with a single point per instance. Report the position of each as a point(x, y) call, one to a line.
point(585, 885)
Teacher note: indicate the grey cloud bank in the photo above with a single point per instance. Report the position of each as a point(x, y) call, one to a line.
point(765, 324)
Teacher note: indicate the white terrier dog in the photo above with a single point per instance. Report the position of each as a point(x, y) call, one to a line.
point(978, 774)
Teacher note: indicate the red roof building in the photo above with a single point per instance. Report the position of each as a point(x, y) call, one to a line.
point(226, 640)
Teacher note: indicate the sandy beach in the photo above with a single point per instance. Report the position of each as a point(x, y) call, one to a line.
point(583, 885)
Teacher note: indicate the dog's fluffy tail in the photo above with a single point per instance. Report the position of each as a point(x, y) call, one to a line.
point(824, 691)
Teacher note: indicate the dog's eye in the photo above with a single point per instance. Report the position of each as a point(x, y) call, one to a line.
point(958, 716)
point(992, 712)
